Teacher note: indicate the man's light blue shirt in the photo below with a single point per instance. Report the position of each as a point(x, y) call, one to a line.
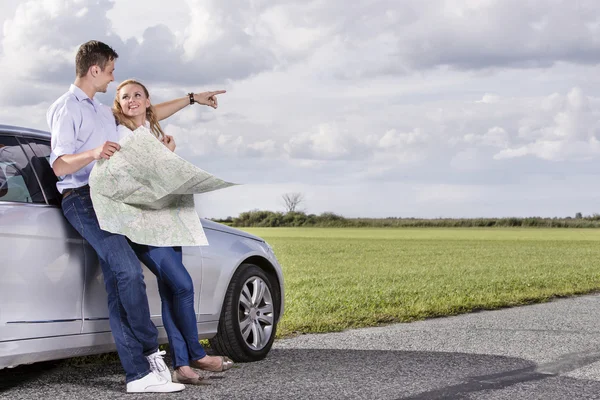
point(78, 124)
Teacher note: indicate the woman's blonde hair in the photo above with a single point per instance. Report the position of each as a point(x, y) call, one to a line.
point(122, 119)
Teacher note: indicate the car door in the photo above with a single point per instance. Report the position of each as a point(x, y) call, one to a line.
point(42, 256)
point(95, 304)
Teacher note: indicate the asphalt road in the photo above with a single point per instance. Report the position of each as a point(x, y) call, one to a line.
point(545, 351)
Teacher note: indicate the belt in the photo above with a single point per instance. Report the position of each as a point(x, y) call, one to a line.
point(68, 191)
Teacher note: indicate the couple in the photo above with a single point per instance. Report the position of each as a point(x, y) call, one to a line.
point(84, 131)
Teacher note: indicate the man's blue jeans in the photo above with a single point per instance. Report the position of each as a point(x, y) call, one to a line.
point(128, 311)
point(176, 290)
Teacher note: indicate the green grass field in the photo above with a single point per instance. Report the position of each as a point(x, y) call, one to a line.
point(345, 278)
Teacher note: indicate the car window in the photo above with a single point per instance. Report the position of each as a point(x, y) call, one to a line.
point(17, 179)
point(41, 165)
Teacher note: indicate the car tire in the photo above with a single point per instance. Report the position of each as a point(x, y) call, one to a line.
point(249, 316)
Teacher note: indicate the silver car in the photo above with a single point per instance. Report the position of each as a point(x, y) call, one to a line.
point(52, 298)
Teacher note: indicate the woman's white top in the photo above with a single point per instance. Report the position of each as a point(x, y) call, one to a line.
point(124, 131)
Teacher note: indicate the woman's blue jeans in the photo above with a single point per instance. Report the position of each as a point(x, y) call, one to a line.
point(128, 312)
point(176, 290)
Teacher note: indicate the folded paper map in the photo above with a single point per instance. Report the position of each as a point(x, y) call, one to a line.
point(146, 192)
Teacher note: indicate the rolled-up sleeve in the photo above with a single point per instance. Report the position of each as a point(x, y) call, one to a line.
point(63, 128)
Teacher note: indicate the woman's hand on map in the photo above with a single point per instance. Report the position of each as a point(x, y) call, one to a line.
point(168, 141)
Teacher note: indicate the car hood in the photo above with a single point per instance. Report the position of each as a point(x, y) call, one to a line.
point(208, 224)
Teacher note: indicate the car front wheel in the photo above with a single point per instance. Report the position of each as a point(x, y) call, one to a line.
point(249, 316)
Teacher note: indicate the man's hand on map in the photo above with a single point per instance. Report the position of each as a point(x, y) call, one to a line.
point(168, 141)
point(208, 98)
point(106, 150)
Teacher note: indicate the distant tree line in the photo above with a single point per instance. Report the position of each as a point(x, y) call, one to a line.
point(258, 218)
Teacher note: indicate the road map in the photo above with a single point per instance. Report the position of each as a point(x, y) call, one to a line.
point(146, 192)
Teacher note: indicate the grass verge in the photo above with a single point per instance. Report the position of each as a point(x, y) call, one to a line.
point(344, 278)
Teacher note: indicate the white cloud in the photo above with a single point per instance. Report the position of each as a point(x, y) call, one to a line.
point(555, 150)
point(494, 137)
point(153, 12)
point(489, 99)
point(394, 139)
point(562, 128)
point(423, 101)
point(328, 142)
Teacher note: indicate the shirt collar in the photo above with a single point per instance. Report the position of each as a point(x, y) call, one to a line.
point(79, 94)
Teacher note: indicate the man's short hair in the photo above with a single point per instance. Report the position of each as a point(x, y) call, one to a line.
point(93, 53)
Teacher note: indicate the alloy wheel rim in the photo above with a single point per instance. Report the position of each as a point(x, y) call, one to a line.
point(256, 313)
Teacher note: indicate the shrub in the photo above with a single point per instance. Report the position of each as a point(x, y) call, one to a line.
point(262, 218)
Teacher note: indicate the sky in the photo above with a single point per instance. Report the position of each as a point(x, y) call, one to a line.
point(371, 108)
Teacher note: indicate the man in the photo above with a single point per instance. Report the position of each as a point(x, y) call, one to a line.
point(84, 131)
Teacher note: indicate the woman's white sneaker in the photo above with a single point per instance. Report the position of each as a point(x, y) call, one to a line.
point(153, 383)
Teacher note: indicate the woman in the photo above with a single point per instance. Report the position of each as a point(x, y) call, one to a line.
point(132, 109)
